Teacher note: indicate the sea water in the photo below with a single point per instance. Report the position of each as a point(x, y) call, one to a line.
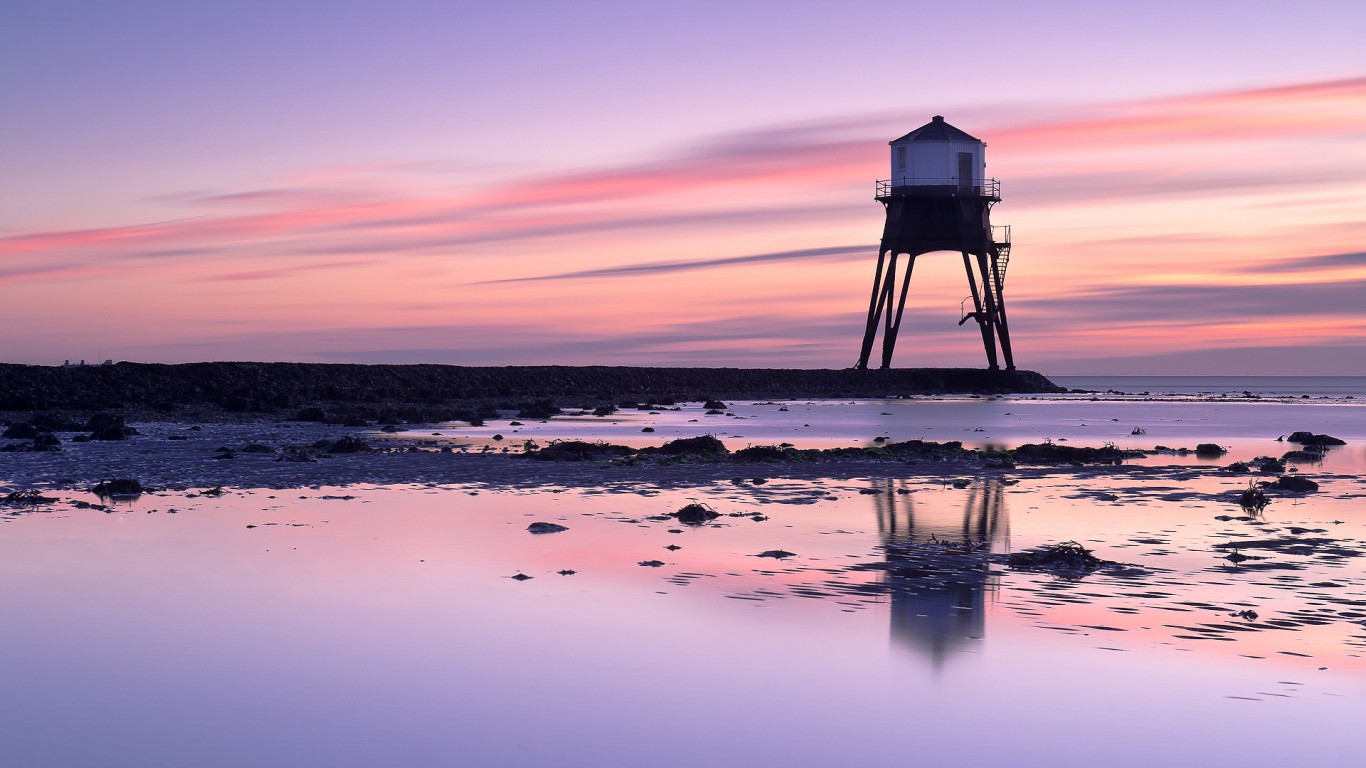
point(382, 624)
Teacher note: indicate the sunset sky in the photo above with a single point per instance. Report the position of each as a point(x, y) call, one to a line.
point(674, 184)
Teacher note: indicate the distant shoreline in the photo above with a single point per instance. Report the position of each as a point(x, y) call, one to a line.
point(443, 392)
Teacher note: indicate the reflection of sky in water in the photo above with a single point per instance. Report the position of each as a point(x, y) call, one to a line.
point(383, 630)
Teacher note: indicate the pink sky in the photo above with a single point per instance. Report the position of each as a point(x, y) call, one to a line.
point(1203, 224)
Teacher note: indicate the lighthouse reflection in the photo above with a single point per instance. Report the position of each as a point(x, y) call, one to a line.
point(937, 574)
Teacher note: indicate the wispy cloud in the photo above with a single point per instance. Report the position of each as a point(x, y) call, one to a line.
point(834, 253)
point(750, 198)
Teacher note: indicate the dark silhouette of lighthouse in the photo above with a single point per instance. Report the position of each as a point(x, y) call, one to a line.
point(939, 199)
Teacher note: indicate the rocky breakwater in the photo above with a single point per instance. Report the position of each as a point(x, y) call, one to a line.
point(446, 392)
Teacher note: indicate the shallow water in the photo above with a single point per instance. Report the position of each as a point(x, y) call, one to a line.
point(1247, 428)
point(305, 627)
point(380, 624)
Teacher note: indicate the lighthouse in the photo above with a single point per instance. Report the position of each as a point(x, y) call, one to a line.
point(939, 198)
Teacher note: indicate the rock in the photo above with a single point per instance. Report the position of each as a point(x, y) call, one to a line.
point(777, 554)
point(1309, 438)
point(1209, 449)
point(567, 572)
point(604, 410)
point(20, 432)
point(1295, 484)
point(651, 563)
point(349, 444)
point(546, 528)
point(647, 429)
point(540, 409)
point(1269, 466)
point(714, 405)
point(120, 487)
point(109, 426)
point(1238, 467)
point(521, 577)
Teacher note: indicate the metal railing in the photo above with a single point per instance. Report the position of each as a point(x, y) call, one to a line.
point(1000, 234)
point(936, 187)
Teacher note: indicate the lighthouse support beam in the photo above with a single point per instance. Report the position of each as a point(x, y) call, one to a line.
point(874, 310)
point(889, 336)
point(983, 322)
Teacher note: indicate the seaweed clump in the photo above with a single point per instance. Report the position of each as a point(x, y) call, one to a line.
point(1051, 453)
point(696, 513)
point(1069, 557)
point(702, 444)
point(578, 450)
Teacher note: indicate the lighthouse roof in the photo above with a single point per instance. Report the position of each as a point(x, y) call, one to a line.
point(936, 130)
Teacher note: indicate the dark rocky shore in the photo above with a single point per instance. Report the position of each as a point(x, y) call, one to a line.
point(430, 393)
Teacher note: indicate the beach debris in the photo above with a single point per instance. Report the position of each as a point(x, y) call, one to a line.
point(1209, 449)
point(673, 547)
point(1248, 614)
point(696, 513)
point(577, 450)
point(764, 453)
point(1294, 484)
point(567, 572)
point(1309, 438)
point(1066, 557)
point(28, 497)
point(1138, 431)
point(540, 527)
point(651, 563)
point(519, 576)
point(777, 554)
point(962, 482)
point(1253, 497)
point(121, 487)
point(1238, 467)
point(1235, 558)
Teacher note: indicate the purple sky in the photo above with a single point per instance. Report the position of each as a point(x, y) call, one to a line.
point(674, 184)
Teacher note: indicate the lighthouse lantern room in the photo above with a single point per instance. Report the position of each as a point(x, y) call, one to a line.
point(939, 198)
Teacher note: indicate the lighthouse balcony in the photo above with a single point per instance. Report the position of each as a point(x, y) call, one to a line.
point(918, 187)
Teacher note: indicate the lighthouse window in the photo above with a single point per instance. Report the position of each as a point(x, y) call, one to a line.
point(901, 158)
